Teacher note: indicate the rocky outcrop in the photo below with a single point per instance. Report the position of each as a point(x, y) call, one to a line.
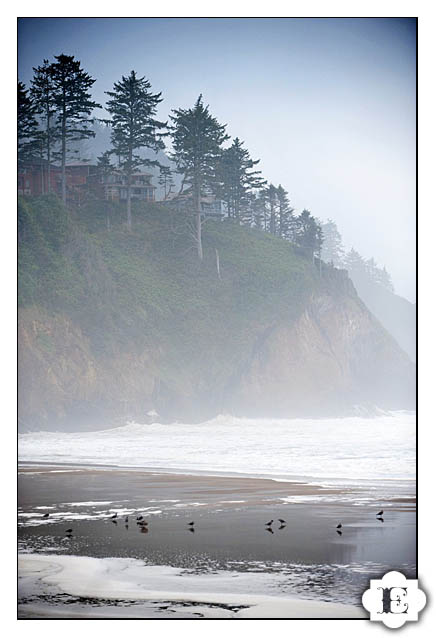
point(333, 356)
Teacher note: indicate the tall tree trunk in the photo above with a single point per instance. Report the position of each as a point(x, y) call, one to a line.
point(64, 154)
point(129, 203)
point(199, 239)
point(129, 186)
point(48, 149)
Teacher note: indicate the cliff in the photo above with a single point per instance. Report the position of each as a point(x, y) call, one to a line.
point(114, 324)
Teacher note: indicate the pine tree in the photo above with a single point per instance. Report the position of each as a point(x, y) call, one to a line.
point(166, 180)
point(197, 138)
point(27, 124)
point(237, 180)
point(355, 264)
point(333, 249)
point(42, 92)
point(259, 210)
point(308, 234)
point(73, 105)
point(272, 205)
point(285, 212)
point(132, 108)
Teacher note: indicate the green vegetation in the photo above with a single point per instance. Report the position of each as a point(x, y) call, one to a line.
point(144, 290)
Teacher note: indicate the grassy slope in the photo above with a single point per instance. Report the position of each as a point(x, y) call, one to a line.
point(146, 290)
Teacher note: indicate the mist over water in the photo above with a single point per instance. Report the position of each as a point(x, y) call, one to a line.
point(342, 450)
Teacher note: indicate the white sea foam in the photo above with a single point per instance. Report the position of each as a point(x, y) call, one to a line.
point(264, 594)
point(342, 450)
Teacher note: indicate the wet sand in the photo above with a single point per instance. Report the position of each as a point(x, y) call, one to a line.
point(307, 556)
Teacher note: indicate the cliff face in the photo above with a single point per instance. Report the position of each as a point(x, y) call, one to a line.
point(114, 325)
point(334, 358)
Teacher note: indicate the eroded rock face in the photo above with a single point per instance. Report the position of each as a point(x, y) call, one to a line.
point(334, 356)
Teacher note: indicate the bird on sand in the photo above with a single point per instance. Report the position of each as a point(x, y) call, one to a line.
point(46, 515)
point(191, 523)
point(339, 526)
point(139, 518)
point(269, 523)
point(126, 520)
point(380, 513)
point(114, 515)
point(69, 531)
point(281, 521)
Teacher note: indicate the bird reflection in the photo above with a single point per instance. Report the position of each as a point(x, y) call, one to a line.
point(282, 526)
point(268, 529)
point(379, 518)
point(191, 529)
point(126, 526)
point(338, 531)
point(114, 522)
point(143, 529)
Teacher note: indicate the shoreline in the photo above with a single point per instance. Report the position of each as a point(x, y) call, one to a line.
point(152, 594)
point(230, 552)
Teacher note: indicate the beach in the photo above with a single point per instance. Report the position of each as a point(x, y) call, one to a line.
point(229, 564)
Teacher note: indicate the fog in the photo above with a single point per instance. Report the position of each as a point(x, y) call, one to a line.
point(327, 105)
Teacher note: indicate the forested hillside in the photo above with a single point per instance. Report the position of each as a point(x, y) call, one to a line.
point(116, 323)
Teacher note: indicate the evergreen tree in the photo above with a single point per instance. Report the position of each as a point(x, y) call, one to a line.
point(166, 180)
point(308, 234)
point(259, 210)
point(197, 138)
point(133, 108)
point(237, 180)
point(285, 213)
point(272, 206)
point(27, 124)
point(42, 92)
point(333, 249)
point(384, 279)
point(355, 264)
point(73, 104)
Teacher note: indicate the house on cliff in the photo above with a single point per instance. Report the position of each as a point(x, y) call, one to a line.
point(37, 177)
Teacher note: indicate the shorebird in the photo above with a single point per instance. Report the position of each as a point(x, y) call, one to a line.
point(69, 531)
point(380, 513)
point(126, 520)
point(339, 526)
point(114, 515)
point(191, 523)
point(46, 515)
point(281, 521)
point(139, 518)
point(270, 523)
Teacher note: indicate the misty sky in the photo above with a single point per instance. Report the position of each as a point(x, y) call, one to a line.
point(327, 105)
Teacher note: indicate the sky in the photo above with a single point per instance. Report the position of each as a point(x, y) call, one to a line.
point(327, 105)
